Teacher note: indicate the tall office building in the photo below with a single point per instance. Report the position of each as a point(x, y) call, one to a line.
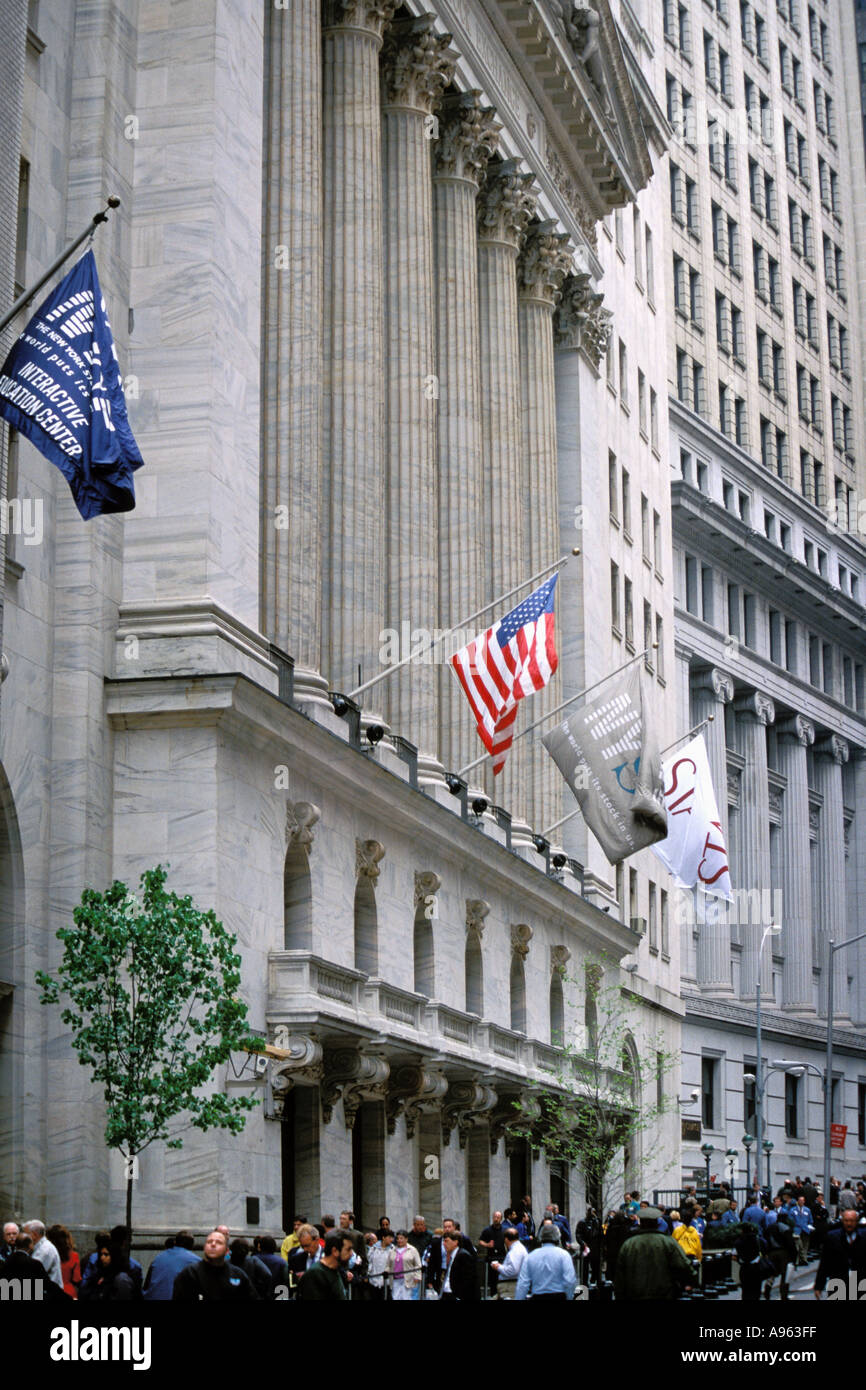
point(383, 364)
point(767, 457)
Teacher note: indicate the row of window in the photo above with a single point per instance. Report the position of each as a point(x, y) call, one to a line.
point(644, 256)
point(647, 397)
point(796, 1095)
point(656, 925)
point(844, 513)
point(622, 622)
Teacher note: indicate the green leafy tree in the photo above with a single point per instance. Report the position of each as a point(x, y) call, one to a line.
point(599, 1107)
point(151, 984)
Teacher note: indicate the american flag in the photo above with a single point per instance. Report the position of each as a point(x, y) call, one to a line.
point(511, 659)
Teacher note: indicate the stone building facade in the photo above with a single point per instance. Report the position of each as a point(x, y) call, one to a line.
point(767, 465)
point(362, 297)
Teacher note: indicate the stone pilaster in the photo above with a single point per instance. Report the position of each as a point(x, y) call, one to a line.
point(830, 754)
point(711, 691)
point(544, 262)
point(468, 135)
point(353, 480)
point(504, 210)
point(795, 735)
point(292, 367)
point(754, 712)
point(416, 67)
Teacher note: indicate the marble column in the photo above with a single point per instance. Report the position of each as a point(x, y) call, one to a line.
point(830, 753)
point(416, 67)
point(468, 135)
point(754, 712)
point(711, 690)
point(504, 210)
point(543, 264)
point(353, 474)
point(292, 367)
point(794, 736)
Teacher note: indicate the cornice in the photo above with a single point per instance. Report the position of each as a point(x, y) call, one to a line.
point(781, 1025)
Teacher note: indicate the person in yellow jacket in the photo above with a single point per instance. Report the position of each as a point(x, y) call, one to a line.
point(687, 1237)
point(291, 1241)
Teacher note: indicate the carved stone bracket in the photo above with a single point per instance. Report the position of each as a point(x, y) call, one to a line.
point(468, 136)
point(476, 911)
point(304, 1067)
point(466, 1101)
point(580, 322)
point(505, 204)
point(509, 1116)
point(417, 64)
point(357, 1076)
point(427, 885)
point(543, 264)
point(521, 935)
point(797, 730)
point(833, 747)
point(717, 682)
point(411, 1091)
point(559, 958)
point(368, 854)
point(755, 706)
point(301, 816)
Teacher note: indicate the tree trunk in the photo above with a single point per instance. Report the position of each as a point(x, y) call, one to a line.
point(130, 1161)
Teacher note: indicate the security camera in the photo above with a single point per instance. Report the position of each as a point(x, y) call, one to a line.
point(540, 843)
point(479, 805)
point(693, 1095)
point(375, 734)
point(454, 784)
point(340, 703)
point(559, 861)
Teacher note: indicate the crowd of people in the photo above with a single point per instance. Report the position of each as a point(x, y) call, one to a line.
point(512, 1258)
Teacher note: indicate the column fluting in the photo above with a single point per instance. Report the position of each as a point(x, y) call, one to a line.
point(795, 735)
point(754, 712)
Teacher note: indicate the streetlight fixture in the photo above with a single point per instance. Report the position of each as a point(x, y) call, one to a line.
point(832, 948)
point(732, 1155)
point(768, 1147)
point(708, 1150)
point(772, 930)
point(747, 1141)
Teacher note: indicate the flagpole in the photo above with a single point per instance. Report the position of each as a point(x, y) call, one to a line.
point(557, 823)
point(570, 701)
point(563, 560)
point(24, 298)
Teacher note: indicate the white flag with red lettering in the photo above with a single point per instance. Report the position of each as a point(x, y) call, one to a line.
point(694, 850)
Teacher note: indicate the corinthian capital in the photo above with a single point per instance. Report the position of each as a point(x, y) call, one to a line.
point(833, 747)
point(756, 706)
point(417, 64)
point(544, 261)
point(506, 204)
point(717, 683)
point(580, 322)
point(369, 15)
point(797, 729)
point(468, 136)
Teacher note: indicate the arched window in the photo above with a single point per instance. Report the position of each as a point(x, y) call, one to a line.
point(518, 994)
point(425, 974)
point(557, 1010)
point(366, 927)
point(474, 966)
point(297, 901)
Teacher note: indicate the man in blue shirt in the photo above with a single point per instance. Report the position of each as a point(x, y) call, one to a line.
point(730, 1217)
point(547, 1272)
point(756, 1214)
point(159, 1280)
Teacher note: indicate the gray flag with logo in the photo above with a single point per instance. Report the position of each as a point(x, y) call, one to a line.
point(608, 753)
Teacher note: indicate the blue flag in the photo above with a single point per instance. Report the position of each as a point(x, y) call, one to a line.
point(60, 386)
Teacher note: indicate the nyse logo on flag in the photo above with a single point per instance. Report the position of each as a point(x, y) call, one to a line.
point(695, 850)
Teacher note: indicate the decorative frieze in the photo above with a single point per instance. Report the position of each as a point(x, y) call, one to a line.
point(571, 193)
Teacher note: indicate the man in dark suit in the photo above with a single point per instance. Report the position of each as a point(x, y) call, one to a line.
point(436, 1262)
point(844, 1252)
point(460, 1276)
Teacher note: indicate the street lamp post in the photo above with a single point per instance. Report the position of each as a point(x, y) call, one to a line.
point(708, 1150)
point(832, 948)
point(731, 1155)
point(768, 1147)
point(747, 1142)
point(772, 930)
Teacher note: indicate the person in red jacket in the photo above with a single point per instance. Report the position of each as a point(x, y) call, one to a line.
point(70, 1263)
